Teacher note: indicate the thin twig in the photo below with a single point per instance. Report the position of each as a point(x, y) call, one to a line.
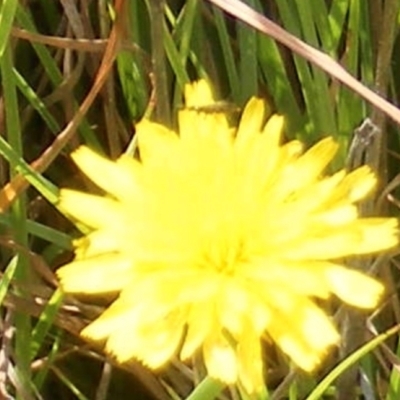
point(246, 14)
point(17, 185)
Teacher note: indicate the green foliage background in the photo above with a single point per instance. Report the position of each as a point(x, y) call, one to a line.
point(50, 53)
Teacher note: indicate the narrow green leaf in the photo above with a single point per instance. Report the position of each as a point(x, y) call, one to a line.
point(7, 277)
point(45, 322)
point(7, 14)
point(41, 184)
point(208, 389)
point(248, 64)
point(227, 52)
point(349, 361)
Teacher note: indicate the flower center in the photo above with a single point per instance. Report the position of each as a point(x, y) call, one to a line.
point(228, 256)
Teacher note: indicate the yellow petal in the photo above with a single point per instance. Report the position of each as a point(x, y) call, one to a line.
point(114, 318)
point(291, 151)
point(154, 345)
point(257, 156)
point(98, 243)
point(158, 145)
point(308, 167)
point(337, 216)
point(220, 358)
point(273, 129)
point(274, 273)
point(376, 234)
point(120, 342)
point(200, 322)
point(198, 94)
point(281, 186)
point(355, 288)
point(316, 195)
point(361, 236)
point(250, 361)
point(202, 131)
point(117, 178)
point(301, 330)
point(251, 122)
point(104, 273)
point(168, 287)
point(240, 303)
point(265, 154)
point(358, 183)
point(94, 211)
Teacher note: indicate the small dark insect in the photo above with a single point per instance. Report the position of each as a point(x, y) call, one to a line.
point(217, 107)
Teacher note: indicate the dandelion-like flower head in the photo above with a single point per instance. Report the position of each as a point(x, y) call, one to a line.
point(218, 237)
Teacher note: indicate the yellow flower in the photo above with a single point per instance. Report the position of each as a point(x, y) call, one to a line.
point(219, 237)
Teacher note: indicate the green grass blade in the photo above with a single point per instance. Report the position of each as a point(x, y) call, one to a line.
point(320, 17)
point(74, 390)
point(248, 64)
point(349, 361)
point(337, 19)
point(7, 277)
point(60, 239)
point(133, 85)
point(41, 184)
point(185, 29)
point(52, 71)
point(22, 274)
point(7, 14)
point(45, 322)
point(175, 59)
point(46, 59)
point(314, 82)
point(227, 52)
point(393, 392)
point(40, 377)
point(36, 102)
point(207, 389)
